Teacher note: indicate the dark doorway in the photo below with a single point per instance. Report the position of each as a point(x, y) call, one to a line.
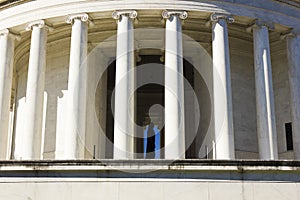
point(111, 73)
point(148, 96)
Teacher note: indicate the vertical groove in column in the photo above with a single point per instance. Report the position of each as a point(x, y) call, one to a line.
point(6, 73)
point(77, 88)
point(35, 94)
point(124, 99)
point(293, 52)
point(223, 113)
point(266, 125)
point(174, 90)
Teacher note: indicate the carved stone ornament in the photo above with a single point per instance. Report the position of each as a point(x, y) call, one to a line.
point(39, 23)
point(260, 23)
point(290, 33)
point(82, 16)
point(4, 32)
point(166, 14)
point(118, 13)
point(217, 16)
point(7, 32)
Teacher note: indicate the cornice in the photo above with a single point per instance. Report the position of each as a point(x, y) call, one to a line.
point(7, 4)
point(295, 3)
point(268, 10)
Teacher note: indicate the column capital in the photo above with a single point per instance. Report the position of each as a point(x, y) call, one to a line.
point(118, 13)
point(217, 16)
point(84, 17)
point(166, 14)
point(4, 32)
point(38, 23)
point(7, 32)
point(290, 33)
point(258, 23)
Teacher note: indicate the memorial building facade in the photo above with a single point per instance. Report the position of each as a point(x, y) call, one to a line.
point(130, 99)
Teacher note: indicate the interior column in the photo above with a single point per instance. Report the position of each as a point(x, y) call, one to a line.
point(77, 88)
point(174, 86)
point(6, 72)
point(35, 91)
point(293, 52)
point(124, 89)
point(223, 114)
point(266, 125)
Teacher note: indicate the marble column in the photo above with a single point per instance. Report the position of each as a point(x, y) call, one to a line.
point(124, 98)
point(6, 73)
point(77, 88)
point(35, 91)
point(174, 86)
point(266, 125)
point(223, 114)
point(293, 52)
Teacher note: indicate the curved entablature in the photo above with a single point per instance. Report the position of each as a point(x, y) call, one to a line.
point(196, 26)
point(54, 13)
point(274, 11)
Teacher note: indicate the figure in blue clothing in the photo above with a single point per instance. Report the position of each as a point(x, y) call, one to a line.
point(150, 149)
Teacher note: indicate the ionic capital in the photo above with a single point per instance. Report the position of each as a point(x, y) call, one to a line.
point(290, 33)
point(7, 32)
point(132, 14)
point(4, 32)
point(166, 14)
point(261, 23)
point(81, 16)
point(39, 24)
point(217, 16)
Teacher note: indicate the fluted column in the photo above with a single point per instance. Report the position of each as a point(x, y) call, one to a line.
point(266, 125)
point(124, 101)
point(174, 87)
point(223, 114)
point(293, 52)
point(77, 88)
point(35, 91)
point(6, 73)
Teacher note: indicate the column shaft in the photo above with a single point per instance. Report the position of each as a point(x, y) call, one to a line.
point(35, 94)
point(77, 89)
point(223, 114)
point(6, 73)
point(124, 98)
point(266, 126)
point(293, 51)
point(174, 89)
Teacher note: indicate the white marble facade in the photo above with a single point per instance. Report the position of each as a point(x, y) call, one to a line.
point(246, 84)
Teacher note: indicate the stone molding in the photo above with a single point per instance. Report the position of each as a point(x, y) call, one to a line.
point(132, 14)
point(19, 15)
point(166, 14)
point(4, 32)
point(40, 24)
point(84, 17)
point(7, 32)
point(291, 33)
point(260, 23)
point(217, 16)
point(138, 164)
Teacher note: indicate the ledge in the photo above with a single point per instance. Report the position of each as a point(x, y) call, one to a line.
point(149, 170)
point(142, 164)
